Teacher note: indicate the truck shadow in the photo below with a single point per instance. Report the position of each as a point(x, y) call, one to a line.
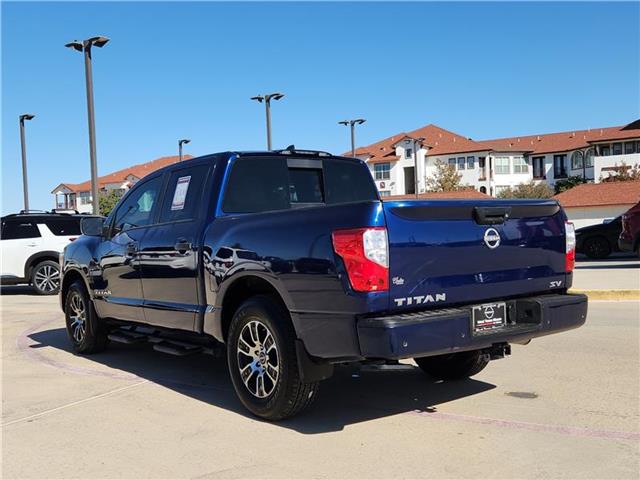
point(352, 395)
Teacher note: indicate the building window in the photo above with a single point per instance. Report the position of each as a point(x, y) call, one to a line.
point(481, 166)
point(501, 188)
point(577, 160)
point(471, 163)
point(588, 159)
point(382, 171)
point(483, 189)
point(605, 150)
point(630, 147)
point(520, 165)
point(85, 198)
point(408, 152)
point(617, 149)
point(538, 167)
point(502, 166)
point(559, 166)
point(452, 162)
point(461, 161)
point(385, 193)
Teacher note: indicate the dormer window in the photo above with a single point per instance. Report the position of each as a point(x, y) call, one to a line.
point(408, 153)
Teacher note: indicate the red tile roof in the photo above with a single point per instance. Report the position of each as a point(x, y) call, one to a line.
point(140, 170)
point(601, 194)
point(444, 142)
point(466, 194)
point(562, 141)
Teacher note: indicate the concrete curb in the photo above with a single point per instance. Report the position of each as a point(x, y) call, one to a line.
point(610, 294)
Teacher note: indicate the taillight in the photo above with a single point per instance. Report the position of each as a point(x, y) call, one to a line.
point(570, 255)
point(365, 252)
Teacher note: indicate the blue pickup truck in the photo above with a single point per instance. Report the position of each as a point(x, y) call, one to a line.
point(288, 263)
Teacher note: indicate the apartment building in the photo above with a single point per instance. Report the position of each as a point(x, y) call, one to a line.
point(77, 196)
point(404, 161)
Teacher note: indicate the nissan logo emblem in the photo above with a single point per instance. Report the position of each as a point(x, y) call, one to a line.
point(492, 238)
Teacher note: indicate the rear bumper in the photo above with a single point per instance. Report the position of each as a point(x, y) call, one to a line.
point(449, 330)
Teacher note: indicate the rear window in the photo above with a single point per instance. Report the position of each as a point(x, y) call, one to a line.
point(347, 182)
point(268, 184)
point(305, 185)
point(63, 226)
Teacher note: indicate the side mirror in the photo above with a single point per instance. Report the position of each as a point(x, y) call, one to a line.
point(92, 226)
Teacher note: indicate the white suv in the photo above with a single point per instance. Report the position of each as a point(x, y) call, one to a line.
point(30, 245)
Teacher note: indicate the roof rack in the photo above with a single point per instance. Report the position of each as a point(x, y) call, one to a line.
point(291, 150)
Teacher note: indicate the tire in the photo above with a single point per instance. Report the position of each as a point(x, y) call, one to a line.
point(261, 343)
point(87, 332)
point(597, 248)
point(454, 366)
point(45, 278)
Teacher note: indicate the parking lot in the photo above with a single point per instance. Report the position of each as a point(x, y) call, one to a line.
point(565, 406)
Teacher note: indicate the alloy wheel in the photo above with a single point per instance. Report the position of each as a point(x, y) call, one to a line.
point(78, 317)
point(258, 359)
point(47, 278)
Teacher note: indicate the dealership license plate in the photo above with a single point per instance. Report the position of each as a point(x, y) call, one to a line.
point(488, 317)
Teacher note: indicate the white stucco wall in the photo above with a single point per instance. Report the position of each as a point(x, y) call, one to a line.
point(584, 216)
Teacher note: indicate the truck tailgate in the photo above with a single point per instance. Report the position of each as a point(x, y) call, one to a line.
point(447, 252)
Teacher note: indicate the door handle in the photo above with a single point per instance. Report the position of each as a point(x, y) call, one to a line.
point(182, 246)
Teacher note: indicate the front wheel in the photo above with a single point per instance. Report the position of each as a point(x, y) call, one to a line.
point(597, 248)
point(45, 278)
point(454, 366)
point(262, 361)
point(87, 332)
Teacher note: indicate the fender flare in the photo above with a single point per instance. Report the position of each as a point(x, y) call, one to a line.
point(33, 260)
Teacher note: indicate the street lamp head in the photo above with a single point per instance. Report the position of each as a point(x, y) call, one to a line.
point(258, 98)
point(76, 45)
point(98, 41)
point(26, 116)
point(359, 121)
point(184, 141)
point(344, 122)
point(275, 96)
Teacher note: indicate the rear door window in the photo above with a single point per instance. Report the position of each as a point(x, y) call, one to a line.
point(183, 197)
point(63, 226)
point(18, 229)
point(257, 185)
point(347, 182)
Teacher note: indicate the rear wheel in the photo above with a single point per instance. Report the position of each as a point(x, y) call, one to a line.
point(86, 330)
point(45, 278)
point(455, 365)
point(597, 248)
point(262, 361)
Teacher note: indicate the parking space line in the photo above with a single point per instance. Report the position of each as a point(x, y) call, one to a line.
point(534, 427)
point(73, 404)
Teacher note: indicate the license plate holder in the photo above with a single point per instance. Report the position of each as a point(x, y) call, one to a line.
point(488, 317)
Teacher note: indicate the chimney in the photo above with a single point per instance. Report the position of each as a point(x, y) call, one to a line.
point(538, 137)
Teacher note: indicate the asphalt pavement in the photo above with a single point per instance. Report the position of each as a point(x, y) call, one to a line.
point(564, 406)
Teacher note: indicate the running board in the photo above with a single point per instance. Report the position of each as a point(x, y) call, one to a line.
point(180, 350)
point(127, 337)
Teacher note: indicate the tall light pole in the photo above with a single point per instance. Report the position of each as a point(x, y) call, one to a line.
point(181, 142)
point(23, 144)
point(85, 46)
point(352, 124)
point(267, 103)
point(416, 142)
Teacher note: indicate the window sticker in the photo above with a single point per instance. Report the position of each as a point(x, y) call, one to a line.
point(181, 193)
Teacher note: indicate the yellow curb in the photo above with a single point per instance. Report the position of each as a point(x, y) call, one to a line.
point(610, 294)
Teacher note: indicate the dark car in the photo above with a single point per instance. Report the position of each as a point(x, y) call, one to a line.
point(599, 241)
point(290, 263)
point(629, 240)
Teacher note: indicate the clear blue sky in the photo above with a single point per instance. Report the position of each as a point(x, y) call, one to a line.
point(187, 70)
